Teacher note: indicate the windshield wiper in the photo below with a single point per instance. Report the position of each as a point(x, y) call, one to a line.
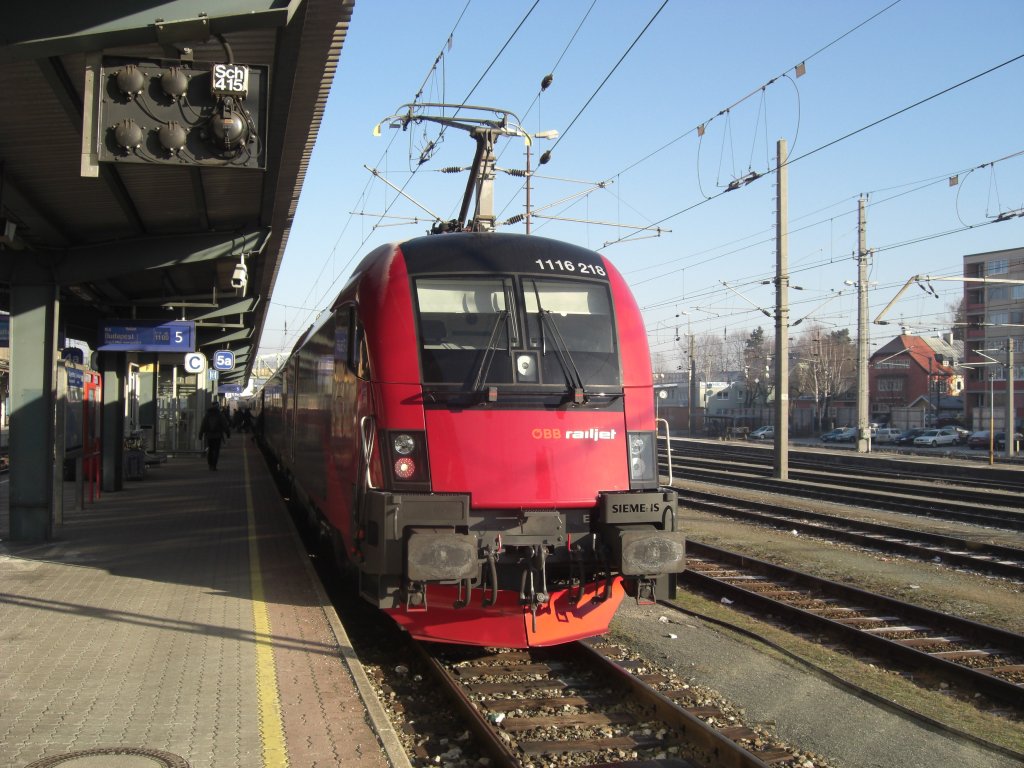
point(488, 356)
point(572, 373)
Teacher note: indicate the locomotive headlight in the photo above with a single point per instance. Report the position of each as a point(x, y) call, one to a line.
point(404, 444)
point(637, 468)
point(642, 460)
point(407, 456)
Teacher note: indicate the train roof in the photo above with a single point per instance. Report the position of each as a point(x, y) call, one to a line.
point(488, 252)
point(472, 252)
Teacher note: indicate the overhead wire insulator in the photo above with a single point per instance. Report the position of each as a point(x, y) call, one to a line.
point(546, 82)
point(515, 171)
point(451, 169)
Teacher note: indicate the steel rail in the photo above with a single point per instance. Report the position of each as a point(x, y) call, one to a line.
point(486, 734)
point(977, 641)
point(1006, 519)
point(471, 690)
point(851, 479)
point(990, 558)
point(966, 470)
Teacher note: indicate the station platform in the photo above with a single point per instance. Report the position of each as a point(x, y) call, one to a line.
point(179, 623)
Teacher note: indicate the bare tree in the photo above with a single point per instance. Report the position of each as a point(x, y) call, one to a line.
point(824, 365)
point(712, 356)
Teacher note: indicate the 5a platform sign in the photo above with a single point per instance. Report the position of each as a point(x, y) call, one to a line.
point(223, 360)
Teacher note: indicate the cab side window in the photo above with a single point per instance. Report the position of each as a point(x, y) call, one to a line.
point(360, 362)
point(350, 342)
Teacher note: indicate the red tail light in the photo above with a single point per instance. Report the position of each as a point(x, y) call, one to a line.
point(405, 468)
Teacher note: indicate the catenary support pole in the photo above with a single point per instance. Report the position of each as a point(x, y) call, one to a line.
point(781, 453)
point(863, 430)
point(1011, 416)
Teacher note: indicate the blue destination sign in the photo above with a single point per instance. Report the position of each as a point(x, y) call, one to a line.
point(143, 336)
point(229, 389)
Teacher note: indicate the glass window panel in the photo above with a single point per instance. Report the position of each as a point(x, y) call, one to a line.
point(458, 318)
point(578, 322)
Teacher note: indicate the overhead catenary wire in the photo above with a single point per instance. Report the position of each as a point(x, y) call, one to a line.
point(775, 112)
point(798, 69)
point(366, 188)
point(875, 200)
point(558, 61)
point(909, 107)
point(844, 137)
point(387, 210)
point(545, 84)
point(511, 37)
point(597, 90)
point(447, 46)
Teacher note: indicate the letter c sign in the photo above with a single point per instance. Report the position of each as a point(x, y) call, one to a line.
point(195, 362)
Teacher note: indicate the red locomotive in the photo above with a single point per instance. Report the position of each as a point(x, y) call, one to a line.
point(473, 425)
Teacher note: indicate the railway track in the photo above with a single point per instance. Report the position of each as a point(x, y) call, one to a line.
point(1007, 499)
point(983, 659)
point(991, 559)
point(1008, 518)
point(585, 704)
point(967, 471)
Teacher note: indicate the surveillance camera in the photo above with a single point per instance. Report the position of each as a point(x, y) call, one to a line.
point(240, 277)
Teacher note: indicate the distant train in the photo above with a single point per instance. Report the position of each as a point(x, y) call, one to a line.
point(472, 425)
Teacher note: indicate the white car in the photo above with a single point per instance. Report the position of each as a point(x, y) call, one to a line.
point(885, 435)
point(934, 437)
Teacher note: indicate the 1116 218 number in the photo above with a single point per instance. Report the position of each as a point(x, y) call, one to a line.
point(560, 265)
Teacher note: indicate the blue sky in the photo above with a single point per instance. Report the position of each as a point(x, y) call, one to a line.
point(639, 135)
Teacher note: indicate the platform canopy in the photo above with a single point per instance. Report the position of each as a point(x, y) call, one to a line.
point(142, 204)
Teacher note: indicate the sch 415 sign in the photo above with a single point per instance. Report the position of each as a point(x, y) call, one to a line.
point(223, 360)
point(230, 80)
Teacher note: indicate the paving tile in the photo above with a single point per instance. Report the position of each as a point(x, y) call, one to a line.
point(134, 626)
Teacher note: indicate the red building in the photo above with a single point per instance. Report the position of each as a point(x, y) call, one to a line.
point(912, 372)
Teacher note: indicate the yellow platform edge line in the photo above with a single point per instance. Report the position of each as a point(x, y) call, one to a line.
point(275, 753)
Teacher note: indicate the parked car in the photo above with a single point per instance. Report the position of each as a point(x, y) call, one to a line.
point(840, 435)
point(885, 435)
point(907, 437)
point(763, 433)
point(978, 439)
point(934, 437)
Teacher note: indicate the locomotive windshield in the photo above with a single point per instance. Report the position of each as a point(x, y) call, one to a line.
point(494, 331)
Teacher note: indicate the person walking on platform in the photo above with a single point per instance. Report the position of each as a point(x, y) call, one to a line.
point(214, 428)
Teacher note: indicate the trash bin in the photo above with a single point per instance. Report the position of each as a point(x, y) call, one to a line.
point(134, 457)
point(135, 464)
